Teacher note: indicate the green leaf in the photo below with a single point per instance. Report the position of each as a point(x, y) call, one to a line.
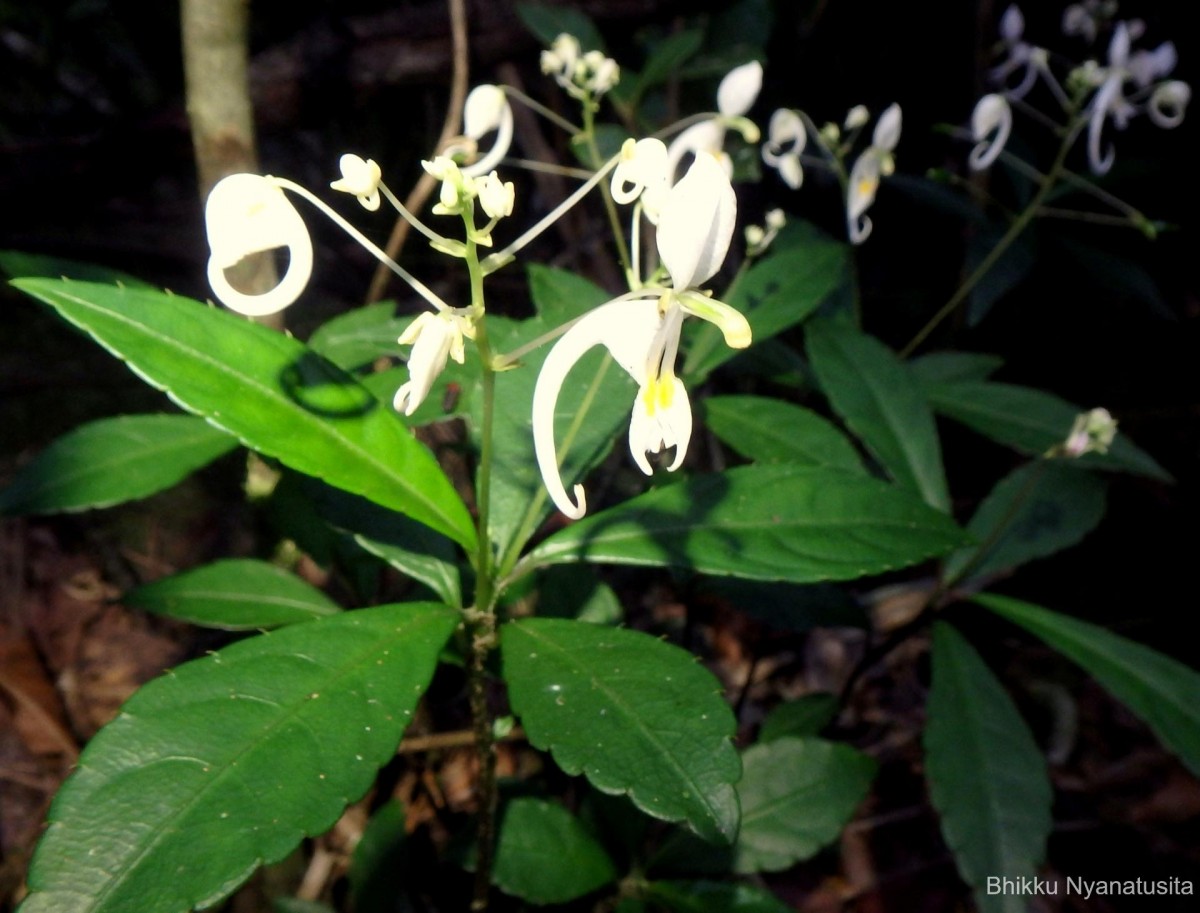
point(1032, 421)
point(545, 855)
point(573, 592)
point(1037, 510)
point(236, 594)
point(270, 391)
point(778, 292)
point(987, 776)
point(357, 338)
point(670, 54)
point(242, 753)
point(113, 460)
point(796, 795)
point(409, 547)
point(880, 400)
point(713, 897)
point(773, 431)
point(560, 295)
point(805, 716)
point(379, 864)
point(1009, 271)
point(1159, 689)
point(548, 22)
point(633, 714)
point(18, 263)
point(768, 522)
point(953, 367)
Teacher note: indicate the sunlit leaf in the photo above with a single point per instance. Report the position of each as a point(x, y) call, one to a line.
point(243, 753)
point(1161, 690)
point(113, 460)
point(269, 390)
point(1037, 510)
point(766, 522)
point(358, 337)
point(986, 774)
point(235, 594)
point(882, 403)
point(545, 855)
point(633, 714)
point(771, 430)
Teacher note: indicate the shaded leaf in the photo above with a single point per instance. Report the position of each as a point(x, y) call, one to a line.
point(1037, 510)
point(574, 592)
point(778, 292)
point(789, 606)
point(670, 54)
point(805, 716)
point(236, 594)
point(267, 389)
point(548, 22)
point(1032, 421)
point(1159, 689)
point(545, 855)
point(243, 753)
point(773, 431)
point(633, 714)
point(113, 460)
point(953, 367)
point(882, 403)
point(768, 522)
point(713, 897)
point(796, 794)
point(987, 776)
point(379, 863)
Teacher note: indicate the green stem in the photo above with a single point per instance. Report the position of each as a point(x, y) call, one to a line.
point(481, 618)
point(614, 218)
point(1014, 231)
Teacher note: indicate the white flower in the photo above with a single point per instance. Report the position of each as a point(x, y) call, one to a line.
point(642, 334)
point(487, 109)
point(248, 214)
point(873, 164)
point(560, 60)
point(991, 123)
point(786, 139)
point(434, 338)
point(495, 196)
point(584, 76)
point(1092, 432)
point(360, 177)
point(735, 96)
point(1168, 102)
point(642, 172)
point(856, 117)
point(1023, 57)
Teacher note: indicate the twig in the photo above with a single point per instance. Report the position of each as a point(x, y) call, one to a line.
point(450, 128)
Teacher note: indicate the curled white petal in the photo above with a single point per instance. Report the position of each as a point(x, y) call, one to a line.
point(1103, 104)
point(739, 89)
point(495, 196)
point(485, 110)
point(887, 128)
point(248, 214)
point(627, 329)
point(706, 136)
point(643, 165)
point(863, 184)
point(696, 224)
point(991, 123)
point(1168, 104)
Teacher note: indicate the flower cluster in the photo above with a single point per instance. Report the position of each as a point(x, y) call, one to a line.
point(1129, 82)
point(788, 136)
point(585, 75)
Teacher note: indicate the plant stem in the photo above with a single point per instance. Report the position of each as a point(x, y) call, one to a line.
point(614, 218)
point(1014, 231)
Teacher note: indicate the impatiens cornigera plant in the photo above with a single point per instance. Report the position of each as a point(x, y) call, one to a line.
point(822, 469)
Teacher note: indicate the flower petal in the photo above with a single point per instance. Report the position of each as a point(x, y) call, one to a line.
point(863, 184)
point(739, 89)
point(248, 214)
point(887, 128)
point(485, 110)
point(627, 329)
point(661, 418)
point(991, 123)
point(1168, 103)
point(706, 136)
point(697, 223)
